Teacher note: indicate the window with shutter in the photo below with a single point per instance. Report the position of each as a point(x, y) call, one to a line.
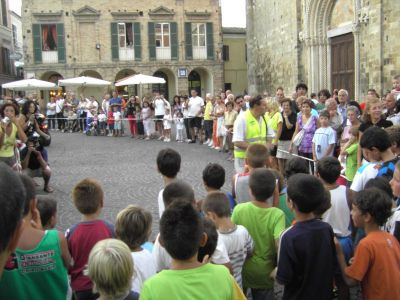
point(137, 41)
point(37, 43)
point(210, 41)
point(188, 41)
point(60, 43)
point(152, 41)
point(114, 41)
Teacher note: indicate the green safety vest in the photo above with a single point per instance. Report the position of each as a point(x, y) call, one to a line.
point(254, 134)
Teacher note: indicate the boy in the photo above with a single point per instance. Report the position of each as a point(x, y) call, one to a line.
point(47, 207)
point(338, 216)
point(38, 268)
point(168, 165)
point(324, 140)
point(117, 121)
point(181, 233)
point(213, 177)
point(307, 256)
point(236, 238)
point(265, 224)
point(88, 199)
point(377, 258)
point(394, 137)
point(133, 227)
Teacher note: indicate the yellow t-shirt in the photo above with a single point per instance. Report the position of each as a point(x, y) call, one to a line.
point(7, 149)
point(207, 111)
point(272, 122)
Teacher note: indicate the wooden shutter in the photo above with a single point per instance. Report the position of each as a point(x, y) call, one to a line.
point(137, 41)
point(188, 41)
point(152, 41)
point(60, 43)
point(174, 40)
point(37, 42)
point(114, 41)
point(210, 41)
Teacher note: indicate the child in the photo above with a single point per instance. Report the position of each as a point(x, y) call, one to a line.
point(47, 207)
point(213, 177)
point(117, 121)
point(338, 216)
point(146, 117)
point(376, 260)
point(207, 250)
point(168, 165)
point(306, 260)
point(102, 122)
point(72, 121)
point(111, 268)
point(167, 120)
point(396, 87)
point(236, 238)
point(393, 224)
point(110, 121)
point(349, 153)
point(133, 227)
point(265, 224)
point(324, 140)
point(180, 125)
point(394, 136)
point(38, 267)
point(88, 199)
point(181, 232)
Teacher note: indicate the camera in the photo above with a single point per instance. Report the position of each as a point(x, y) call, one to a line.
point(6, 120)
point(34, 139)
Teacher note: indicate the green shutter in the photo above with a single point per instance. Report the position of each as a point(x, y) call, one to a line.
point(114, 41)
point(152, 41)
point(137, 41)
point(188, 41)
point(174, 40)
point(210, 41)
point(37, 42)
point(60, 43)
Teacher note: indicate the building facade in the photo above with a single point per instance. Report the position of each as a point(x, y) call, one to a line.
point(114, 39)
point(350, 44)
point(234, 55)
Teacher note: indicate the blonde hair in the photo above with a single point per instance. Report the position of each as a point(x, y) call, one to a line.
point(110, 267)
point(133, 226)
point(369, 103)
point(272, 105)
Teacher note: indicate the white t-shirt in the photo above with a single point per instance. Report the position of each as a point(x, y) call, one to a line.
point(159, 107)
point(167, 121)
point(51, 108)
point(194, 106)
point(239, 245)
point(338, 216)
point(59, 105)
point(323, 137)
point(163, 260)
point(393, 221)
point(364, 173)
point(117, 116)
point(145, 267)
point(160, 200)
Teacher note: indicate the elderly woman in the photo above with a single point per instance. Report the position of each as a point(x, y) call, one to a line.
point(392, 111)
point(9, 131)
point(273, 118)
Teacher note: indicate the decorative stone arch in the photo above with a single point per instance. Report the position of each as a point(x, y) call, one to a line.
point(121, 74)
point(171, 81)
point(317, 41)
point(91, 73)
point(206, 78)
point(124, 73)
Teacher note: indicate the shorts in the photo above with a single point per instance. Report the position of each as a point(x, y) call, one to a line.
point(117, 125)
point(195, 122)
point(34, 173)
point(158, 118)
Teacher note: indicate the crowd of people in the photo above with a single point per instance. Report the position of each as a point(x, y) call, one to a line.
point(314, 206)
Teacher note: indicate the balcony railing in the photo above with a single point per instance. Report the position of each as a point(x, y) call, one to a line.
point(163, 53)
point(50, 57)
point(126, 54)
point(199, 52)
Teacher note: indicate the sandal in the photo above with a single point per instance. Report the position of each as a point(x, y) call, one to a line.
point(48, 189)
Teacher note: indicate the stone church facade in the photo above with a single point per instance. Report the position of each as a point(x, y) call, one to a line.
point(352, 44)
point(174, 39)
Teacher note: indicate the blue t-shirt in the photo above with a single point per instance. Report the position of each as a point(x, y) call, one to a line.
point(387, 169)
point(307, 259)
point(118, 101)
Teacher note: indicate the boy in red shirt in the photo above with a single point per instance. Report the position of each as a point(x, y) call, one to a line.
point(377, 258)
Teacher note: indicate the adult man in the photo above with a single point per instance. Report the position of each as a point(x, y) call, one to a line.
point(279, 94)
point(240, 104)
point(34, 162)
point(115, 100)
point(195, 108)
point(12, 199)
point(60, 112)
point(249, 128)
point(343, 98)
point(392, 111)
point(301, 90)
point(160, 104)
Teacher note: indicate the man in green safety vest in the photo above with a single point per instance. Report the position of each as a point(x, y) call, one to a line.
point(249, 128)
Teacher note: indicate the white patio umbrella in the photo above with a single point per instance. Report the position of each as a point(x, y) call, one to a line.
point(29, 84)
point(83, 81)
point(140, 79)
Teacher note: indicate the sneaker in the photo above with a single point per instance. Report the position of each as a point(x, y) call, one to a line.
point(217, 148)
point(210, 143)
point(188, 140)
point(147, 138)
point(160, 138)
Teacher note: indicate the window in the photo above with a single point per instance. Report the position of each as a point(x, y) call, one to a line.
point(15, 38)
point(162, 35)
point(225, 53)
point(49, 37)
point(5, 57)
point(125, 35)
point(199, 34)
point(4, 13)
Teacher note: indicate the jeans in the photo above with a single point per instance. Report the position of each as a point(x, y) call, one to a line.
point(51, 121)
point(60, 121)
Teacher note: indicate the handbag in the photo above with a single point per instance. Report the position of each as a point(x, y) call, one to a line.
point(298, 138)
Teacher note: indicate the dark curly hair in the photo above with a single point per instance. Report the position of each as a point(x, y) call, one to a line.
point(25, 107)
point(3, 107)
point(375, 202)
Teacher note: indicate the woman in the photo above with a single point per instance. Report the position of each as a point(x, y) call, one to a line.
point(51, 113)
point(273, 118)
point(185, 112)
point(131, 114)
point(323, 95)
point(27, 120)
point(308, 124)
point(82, 113)
point(219, 111)
point(352, 121)
point(392, 111)
point(176, 105)
point(372, 117)
point(284, 133)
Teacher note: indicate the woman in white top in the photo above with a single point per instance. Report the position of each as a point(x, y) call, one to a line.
point(51, 113)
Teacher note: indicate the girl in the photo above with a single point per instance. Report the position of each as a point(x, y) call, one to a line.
point(102, 122)
point(167, 120)
point(229, 120)
point(110, 121)
point(117, 121)
point(179, 122)
point(349, 153)
point(146, 117)
point(131, 114)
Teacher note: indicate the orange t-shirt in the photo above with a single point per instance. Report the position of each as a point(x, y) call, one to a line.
point(377, 265)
